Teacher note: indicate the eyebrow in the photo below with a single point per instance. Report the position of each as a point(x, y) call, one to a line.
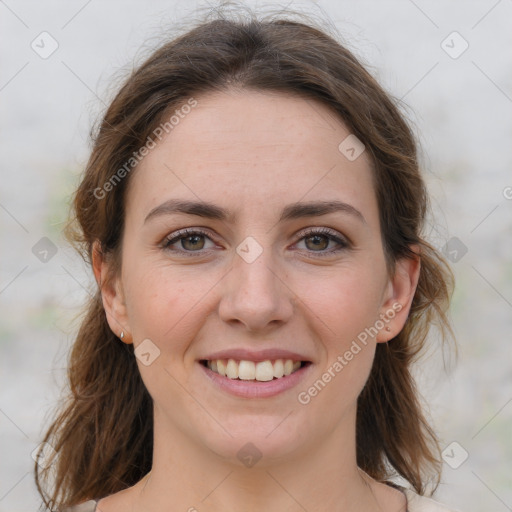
point(289, 212)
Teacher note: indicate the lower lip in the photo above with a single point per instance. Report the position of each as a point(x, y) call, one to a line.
point(256, 389)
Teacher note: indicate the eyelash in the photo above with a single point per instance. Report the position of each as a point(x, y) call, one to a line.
point(331, 235)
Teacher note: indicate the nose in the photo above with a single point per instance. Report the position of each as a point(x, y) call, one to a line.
point(256, 295)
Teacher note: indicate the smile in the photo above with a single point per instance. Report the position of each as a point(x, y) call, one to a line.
point(255, 379)
point(261, 371)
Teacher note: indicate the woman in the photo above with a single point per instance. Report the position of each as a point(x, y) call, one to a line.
point(252, 211)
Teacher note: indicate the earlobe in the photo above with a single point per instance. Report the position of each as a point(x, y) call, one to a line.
point(111, 294)
point(400, 294)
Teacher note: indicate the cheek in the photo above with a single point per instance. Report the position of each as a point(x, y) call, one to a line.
point(346, 302)
point(341, 316)
point(155, 300)
point(165, 303)
point(343, 310)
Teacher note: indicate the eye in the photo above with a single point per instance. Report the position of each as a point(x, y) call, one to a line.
point(192, 240)
point(317, 240)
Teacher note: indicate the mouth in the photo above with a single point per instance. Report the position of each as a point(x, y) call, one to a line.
point(251, 379)
point(257, 371)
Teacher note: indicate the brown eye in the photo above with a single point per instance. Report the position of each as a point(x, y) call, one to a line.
point(190, 241)
point(318, 240)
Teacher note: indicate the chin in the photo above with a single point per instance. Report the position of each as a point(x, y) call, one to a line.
point(260, 441)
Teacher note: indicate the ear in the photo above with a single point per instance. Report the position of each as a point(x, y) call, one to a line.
point(399, 296)
point(112, 295)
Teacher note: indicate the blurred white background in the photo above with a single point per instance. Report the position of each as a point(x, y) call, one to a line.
point(460, 102)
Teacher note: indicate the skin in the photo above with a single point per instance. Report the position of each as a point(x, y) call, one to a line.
point(253, 153)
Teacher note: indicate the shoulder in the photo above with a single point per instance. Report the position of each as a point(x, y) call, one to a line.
point(88, 506)
point(417, 503)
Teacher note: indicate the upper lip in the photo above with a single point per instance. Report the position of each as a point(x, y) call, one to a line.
point(271, 354)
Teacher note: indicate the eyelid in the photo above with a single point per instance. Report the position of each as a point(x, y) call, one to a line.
point(183, 233)
point(343, 241)
point(324, 231)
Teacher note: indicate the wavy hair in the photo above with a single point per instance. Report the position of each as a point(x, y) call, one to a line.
point(102, 433)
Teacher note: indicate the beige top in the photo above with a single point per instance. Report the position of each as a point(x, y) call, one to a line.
point(415, 503)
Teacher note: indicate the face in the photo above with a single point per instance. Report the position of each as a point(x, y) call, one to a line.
point(258, 277)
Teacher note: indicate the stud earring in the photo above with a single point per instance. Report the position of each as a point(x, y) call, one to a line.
point(121, 335)
point(388, 328)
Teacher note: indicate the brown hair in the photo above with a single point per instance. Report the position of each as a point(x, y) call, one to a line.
point(103, 435)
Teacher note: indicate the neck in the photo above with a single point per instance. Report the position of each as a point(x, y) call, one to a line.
point(322, 477)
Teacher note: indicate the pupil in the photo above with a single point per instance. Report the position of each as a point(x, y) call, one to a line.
point(192, 237)
point(317, 240)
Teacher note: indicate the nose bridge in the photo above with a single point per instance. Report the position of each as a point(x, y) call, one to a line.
point(254, 276)
point(254, 294)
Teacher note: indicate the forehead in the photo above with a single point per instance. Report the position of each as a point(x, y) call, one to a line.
point(253, 148)
point(268, 124)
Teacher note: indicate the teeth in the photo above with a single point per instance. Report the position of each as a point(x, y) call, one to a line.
point(221, 367)
point(264, 371)
point(278, 368)
point(249, 370)
point(232, 369)
point(246, 370)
